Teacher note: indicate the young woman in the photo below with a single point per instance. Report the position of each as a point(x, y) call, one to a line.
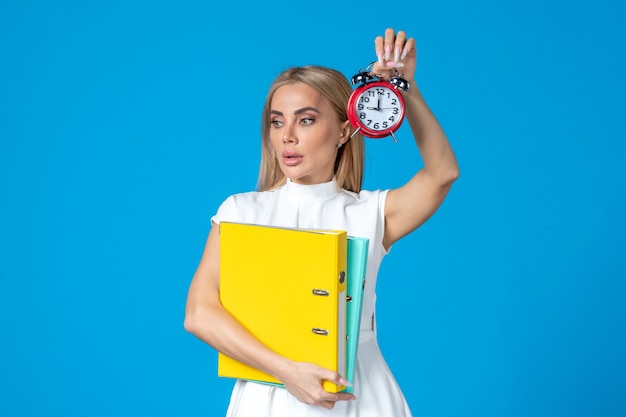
point(310, 177)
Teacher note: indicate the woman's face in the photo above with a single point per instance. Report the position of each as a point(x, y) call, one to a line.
point(304, 132)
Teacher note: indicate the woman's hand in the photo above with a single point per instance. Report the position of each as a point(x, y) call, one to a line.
point(395, 51)
point(304, 381)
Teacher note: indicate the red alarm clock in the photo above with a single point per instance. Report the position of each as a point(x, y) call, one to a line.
point(376, 107)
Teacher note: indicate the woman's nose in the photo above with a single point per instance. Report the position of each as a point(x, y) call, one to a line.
point(289, 135)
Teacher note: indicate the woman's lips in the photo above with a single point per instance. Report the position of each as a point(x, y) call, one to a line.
point(291, 158)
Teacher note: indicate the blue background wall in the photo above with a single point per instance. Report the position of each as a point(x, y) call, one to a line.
point(114, 153)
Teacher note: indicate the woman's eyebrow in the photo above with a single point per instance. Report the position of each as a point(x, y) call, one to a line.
point(305, 109)
point(302, 110)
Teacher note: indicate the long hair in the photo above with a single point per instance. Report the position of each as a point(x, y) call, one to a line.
point(333, 85)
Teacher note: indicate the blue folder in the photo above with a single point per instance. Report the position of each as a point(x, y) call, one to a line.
point(357, 264)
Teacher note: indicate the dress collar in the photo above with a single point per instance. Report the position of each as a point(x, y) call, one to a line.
point(315, 192)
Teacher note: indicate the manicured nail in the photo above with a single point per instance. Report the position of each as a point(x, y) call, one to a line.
point(394, 64)
point(396, 54)
point(387, 52)
point(343, 381)
point(405, 52)
point(379, 54)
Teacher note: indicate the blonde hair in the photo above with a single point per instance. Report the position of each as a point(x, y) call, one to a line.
point(337, 89)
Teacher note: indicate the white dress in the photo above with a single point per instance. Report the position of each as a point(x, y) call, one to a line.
point(323, 206)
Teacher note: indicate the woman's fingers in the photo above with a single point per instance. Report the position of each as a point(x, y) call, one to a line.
point(379, 44)
point(409, 47)
point(336, 378)
point(389, 42)
point(394, 50)
point(305, 383)
point(328, 400)
point(399, 45)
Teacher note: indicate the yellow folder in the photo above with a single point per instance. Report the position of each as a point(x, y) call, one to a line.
point(287, 286)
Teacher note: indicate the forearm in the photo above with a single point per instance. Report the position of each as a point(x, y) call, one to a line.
point(214, 325)
point(435, 150)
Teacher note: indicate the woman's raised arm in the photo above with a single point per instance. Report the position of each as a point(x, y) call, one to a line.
point(412, 204)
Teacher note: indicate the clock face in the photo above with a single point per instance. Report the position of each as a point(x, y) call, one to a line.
point(377, 108)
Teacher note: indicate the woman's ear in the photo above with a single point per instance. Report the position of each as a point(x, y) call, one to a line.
point(345, 130)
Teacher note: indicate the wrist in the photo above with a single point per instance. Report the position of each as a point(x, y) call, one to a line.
point(414, 94)
point(281, 367)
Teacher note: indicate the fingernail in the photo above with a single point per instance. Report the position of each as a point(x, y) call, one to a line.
point(387, 52)
point(394, 64)
point(343, 381)
point(405, 52)
point(396, 54)
point(379, 54)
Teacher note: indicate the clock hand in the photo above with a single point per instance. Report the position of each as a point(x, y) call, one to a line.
point(377, 107)
point(380, 108)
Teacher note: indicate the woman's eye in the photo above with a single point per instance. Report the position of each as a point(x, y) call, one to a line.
point(306, 121)
point(276, 123)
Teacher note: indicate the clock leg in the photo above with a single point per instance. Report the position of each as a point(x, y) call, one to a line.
point(356, 131)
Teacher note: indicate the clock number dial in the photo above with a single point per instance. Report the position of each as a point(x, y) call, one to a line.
point(377, 109)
